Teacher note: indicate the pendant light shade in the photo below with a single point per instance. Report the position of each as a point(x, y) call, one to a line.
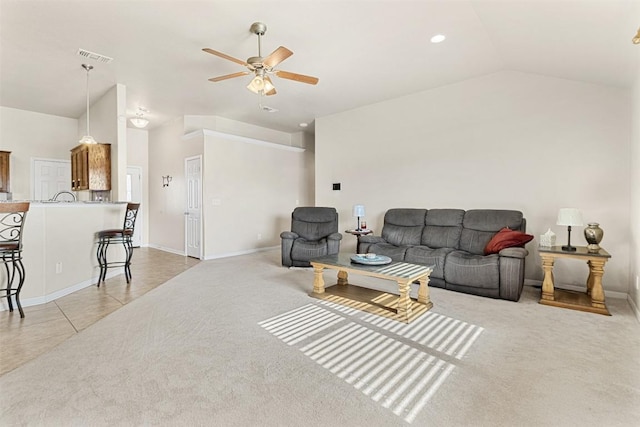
point(87, 139)
point(139, 121)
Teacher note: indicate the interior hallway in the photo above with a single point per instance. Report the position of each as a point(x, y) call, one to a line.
point(47, 325)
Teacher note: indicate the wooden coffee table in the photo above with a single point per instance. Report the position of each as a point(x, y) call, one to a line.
point(401, 307)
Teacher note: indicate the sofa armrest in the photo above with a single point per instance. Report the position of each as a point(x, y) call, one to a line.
point(514, 252)
point(334, 236)
point(289, 235)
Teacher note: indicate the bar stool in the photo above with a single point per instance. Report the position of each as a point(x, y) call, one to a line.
point(119, 235)
point(12, 217)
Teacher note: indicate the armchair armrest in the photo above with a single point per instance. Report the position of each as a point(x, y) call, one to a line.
point(514, 252)
point(334, 236)
point(289, 235)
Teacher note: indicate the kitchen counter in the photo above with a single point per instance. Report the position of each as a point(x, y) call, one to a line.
point(59, 247)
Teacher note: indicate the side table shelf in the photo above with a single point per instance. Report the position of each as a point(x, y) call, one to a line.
point(593, 300)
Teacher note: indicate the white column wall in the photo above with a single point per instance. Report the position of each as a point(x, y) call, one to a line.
point(634, 271)
point(508, 140)
point(138, 155)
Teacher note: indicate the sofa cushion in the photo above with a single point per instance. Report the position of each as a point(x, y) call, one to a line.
point(506, 238)
point(443, 228)
point(305, 250)
point(428, 256)
point(313, 223)
point(403, 227)
point(394, 252)
point(479, 271)
point(480, 225)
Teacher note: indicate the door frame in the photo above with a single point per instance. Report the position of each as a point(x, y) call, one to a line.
point(139, 229)
point(186, 208)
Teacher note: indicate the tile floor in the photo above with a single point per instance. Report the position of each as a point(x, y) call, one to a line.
point(47, 325)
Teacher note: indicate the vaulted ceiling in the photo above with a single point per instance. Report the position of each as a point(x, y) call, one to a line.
point(362, 51)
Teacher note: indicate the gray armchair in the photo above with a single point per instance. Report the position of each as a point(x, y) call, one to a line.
point(314, 233)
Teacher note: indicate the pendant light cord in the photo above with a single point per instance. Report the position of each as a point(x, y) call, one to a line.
point(88, 68)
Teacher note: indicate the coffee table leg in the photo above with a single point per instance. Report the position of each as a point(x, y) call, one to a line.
point(343, 277)
point(318, 280)
point(404, 301)
point(423, 292)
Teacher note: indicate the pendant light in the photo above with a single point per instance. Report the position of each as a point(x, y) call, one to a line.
point(87, 139)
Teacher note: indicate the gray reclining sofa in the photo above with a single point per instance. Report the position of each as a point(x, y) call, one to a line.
point(454, 240)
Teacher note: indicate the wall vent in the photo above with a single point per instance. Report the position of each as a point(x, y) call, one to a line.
point(94, 56)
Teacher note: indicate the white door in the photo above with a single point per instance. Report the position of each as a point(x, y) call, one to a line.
point(193, 213)
point(134, 194)
point(49, 177)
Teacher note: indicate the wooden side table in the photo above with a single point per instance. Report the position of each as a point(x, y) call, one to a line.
point(593, 300)
point(358, 234)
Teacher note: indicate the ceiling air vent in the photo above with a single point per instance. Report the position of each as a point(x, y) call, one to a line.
point(94, 56)
point(268, 109)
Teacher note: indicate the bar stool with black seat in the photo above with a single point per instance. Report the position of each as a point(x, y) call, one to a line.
point(12, 217)
point(118, 235)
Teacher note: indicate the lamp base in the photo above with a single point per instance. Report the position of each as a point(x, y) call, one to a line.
point(569, 248)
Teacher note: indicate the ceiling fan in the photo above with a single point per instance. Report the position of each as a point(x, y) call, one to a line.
point(262, 67)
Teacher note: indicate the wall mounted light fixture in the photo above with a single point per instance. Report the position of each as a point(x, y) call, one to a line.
point(166, 180)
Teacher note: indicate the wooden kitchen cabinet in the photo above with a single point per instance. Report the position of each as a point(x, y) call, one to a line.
point(5, 173)
point(91, 167)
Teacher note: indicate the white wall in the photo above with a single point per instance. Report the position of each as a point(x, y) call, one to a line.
point(138, 155)
point(27, 134)
point(634, 271)
point(250, 189)
point(508, 140)
point(167, 152)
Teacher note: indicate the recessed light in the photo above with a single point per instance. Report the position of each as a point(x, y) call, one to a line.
point(438, 38)
point(303, 125)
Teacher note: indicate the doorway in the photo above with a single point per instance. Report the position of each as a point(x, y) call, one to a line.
point(134, 194)
point(193, 212)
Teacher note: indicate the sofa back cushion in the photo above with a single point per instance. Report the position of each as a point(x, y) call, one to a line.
point(480, 225)
point(443, 228)
point(403, 227)
point(314, 223)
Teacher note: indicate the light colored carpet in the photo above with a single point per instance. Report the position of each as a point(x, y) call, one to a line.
point(238, 342)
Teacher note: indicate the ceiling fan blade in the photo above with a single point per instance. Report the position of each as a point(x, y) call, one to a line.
point(271, 92)
point(225, 56)
point(229, 76)
point(297, 77)
point(276, 57)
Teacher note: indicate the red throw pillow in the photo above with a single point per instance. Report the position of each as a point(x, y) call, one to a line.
point(506, 238)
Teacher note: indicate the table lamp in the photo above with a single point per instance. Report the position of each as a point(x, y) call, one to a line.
point(569, 217)
point(358, 211)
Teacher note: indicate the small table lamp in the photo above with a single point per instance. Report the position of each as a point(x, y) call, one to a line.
point(358, 211)
point(569, 217)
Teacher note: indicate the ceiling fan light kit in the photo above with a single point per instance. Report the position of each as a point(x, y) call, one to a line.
point(260, 67)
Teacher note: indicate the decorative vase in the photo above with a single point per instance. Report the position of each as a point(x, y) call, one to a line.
point(593, 233)
point(548, 239)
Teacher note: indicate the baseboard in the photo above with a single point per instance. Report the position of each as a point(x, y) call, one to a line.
point(162, 248)
point(28, 302)
point(634, 307)
point(249, 251)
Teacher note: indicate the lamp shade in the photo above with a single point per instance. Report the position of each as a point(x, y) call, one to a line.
point(569, 216)
point(358, 210)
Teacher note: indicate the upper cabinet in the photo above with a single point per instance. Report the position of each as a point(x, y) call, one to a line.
point(5, 175)
point(91, 167)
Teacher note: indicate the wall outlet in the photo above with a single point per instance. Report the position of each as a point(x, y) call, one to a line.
point(58, 267)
